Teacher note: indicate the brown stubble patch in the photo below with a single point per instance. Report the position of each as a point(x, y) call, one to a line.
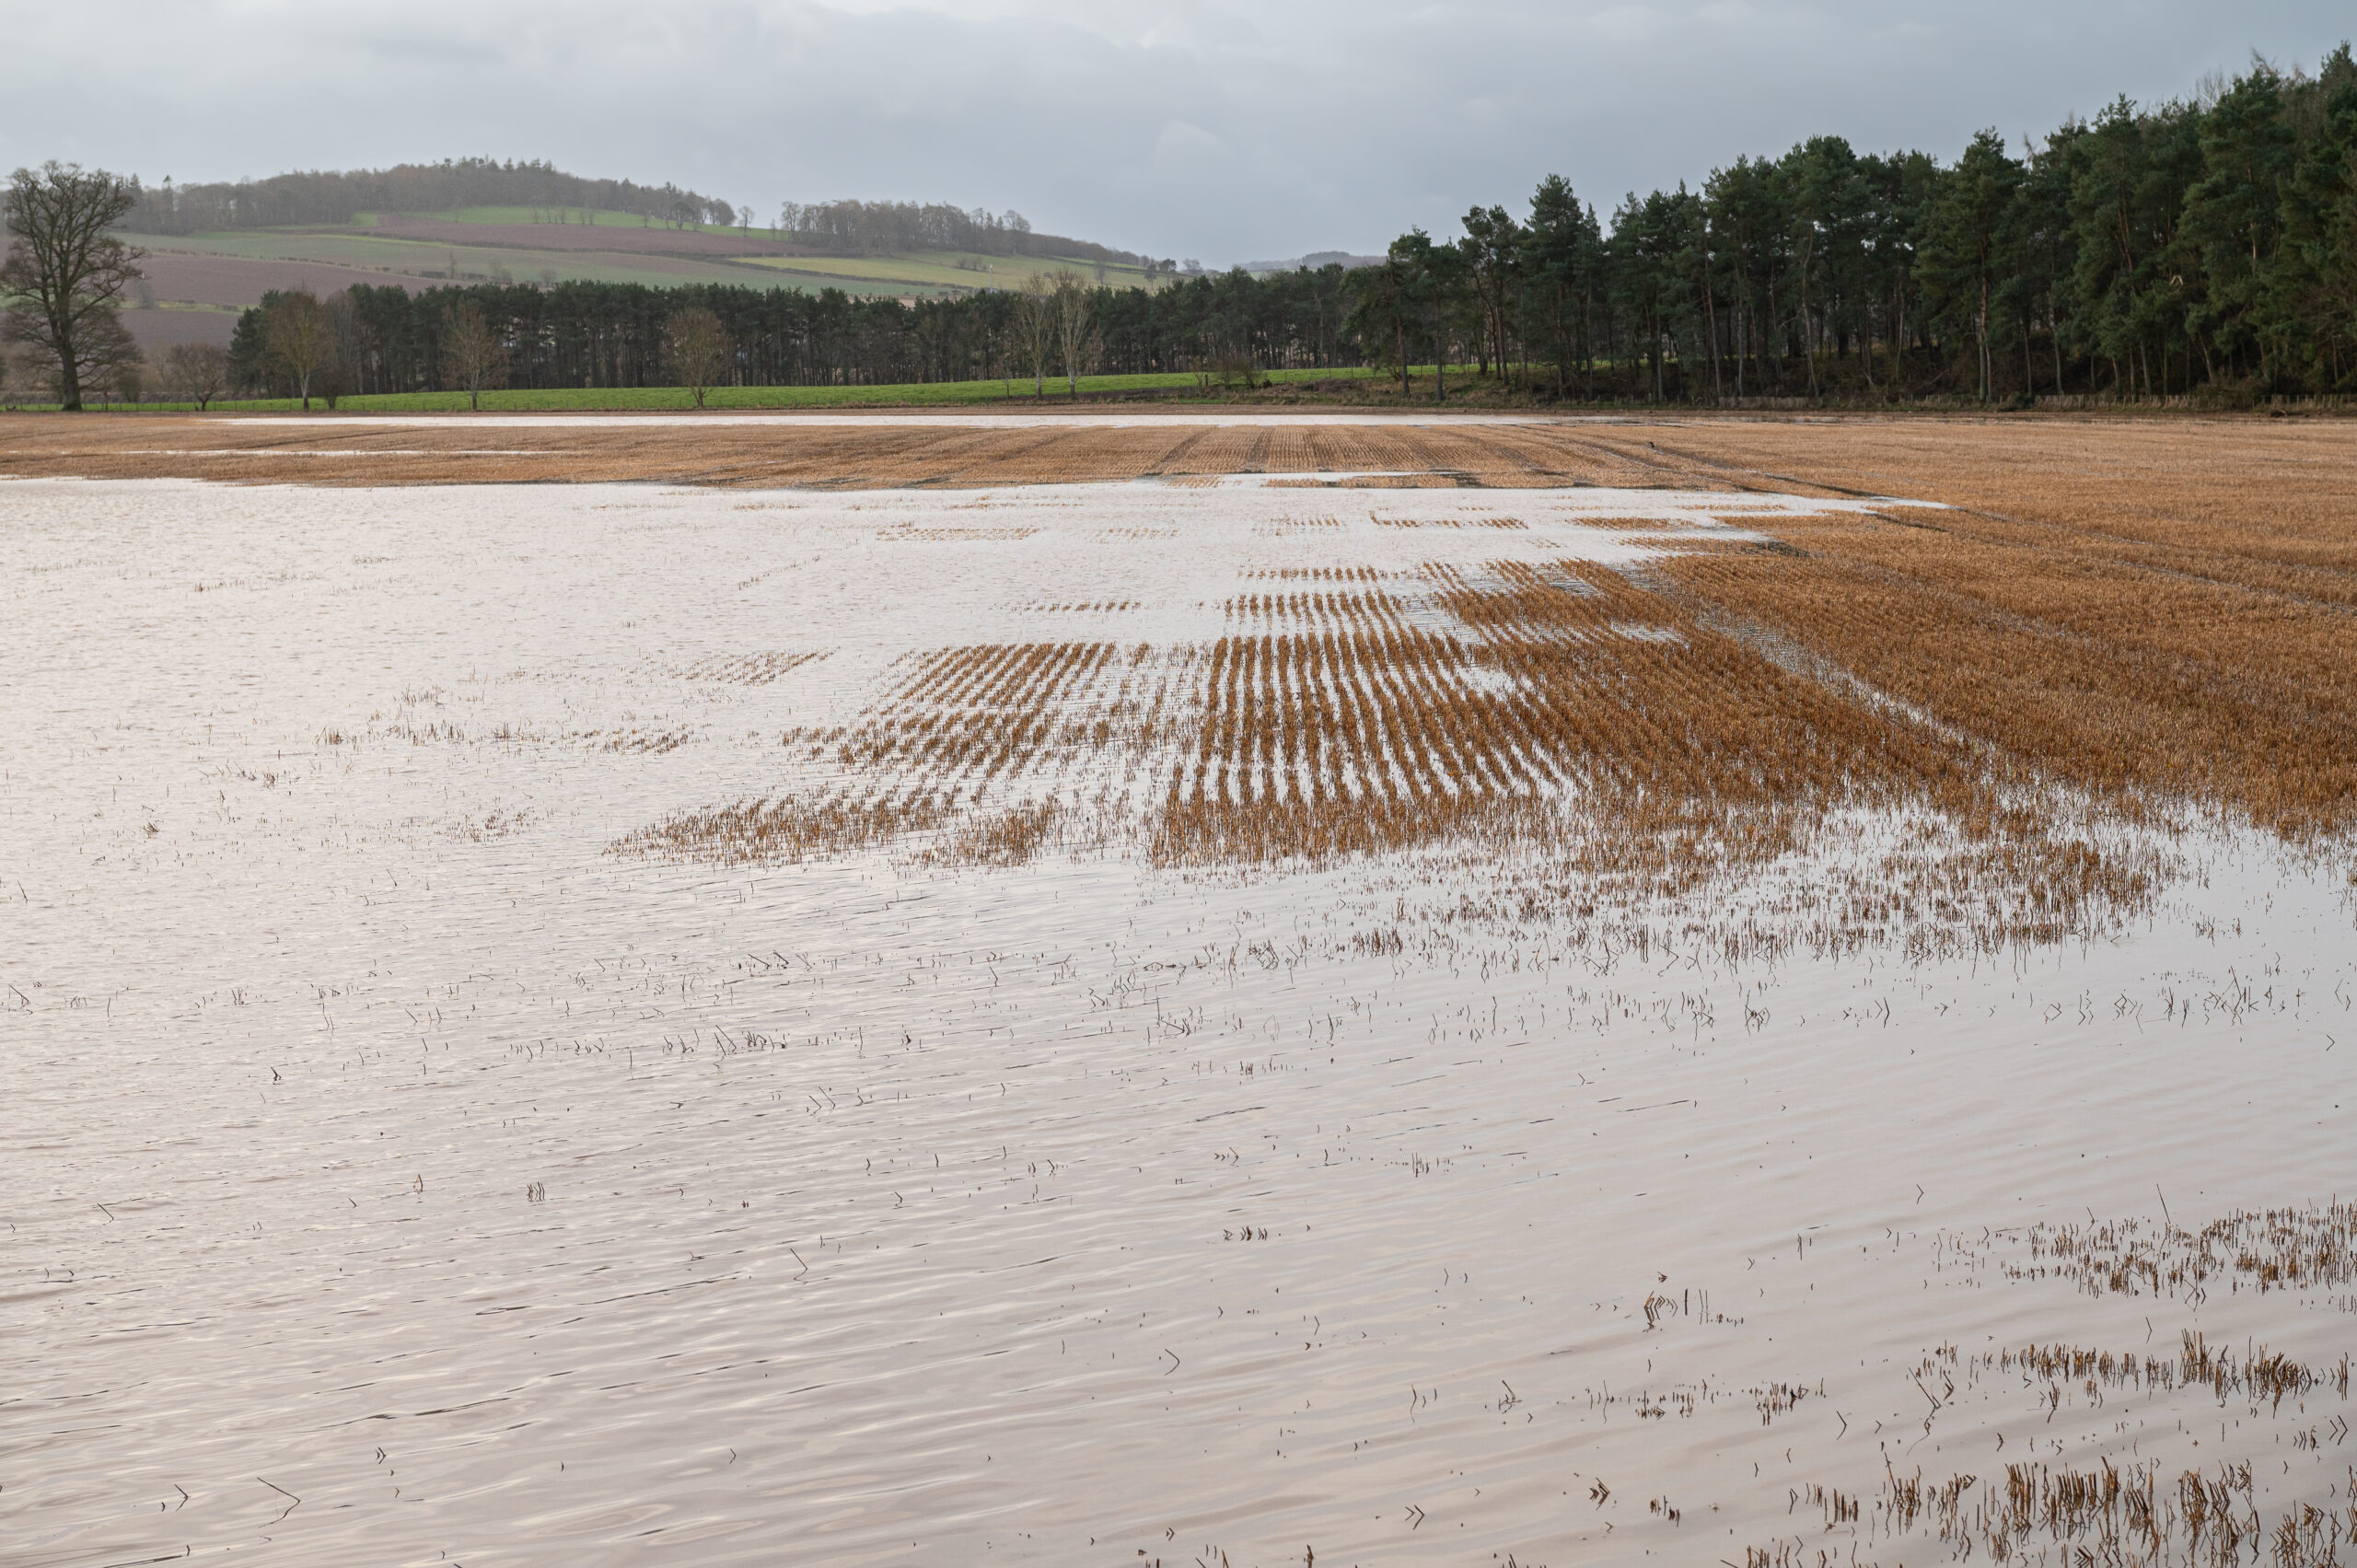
point(772, 451)
point(2137, 615)
point(2071, 663)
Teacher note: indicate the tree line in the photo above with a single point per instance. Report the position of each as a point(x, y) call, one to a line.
point(552, 195)
point(321, 196)
point(875, 229)
point(2202, 246)
point(584, 335)
point(2206, 245)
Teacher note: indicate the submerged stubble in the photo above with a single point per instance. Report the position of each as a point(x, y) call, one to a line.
point(1072, 1022)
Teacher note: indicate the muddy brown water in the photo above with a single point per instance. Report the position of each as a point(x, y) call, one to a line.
point(396, 1172)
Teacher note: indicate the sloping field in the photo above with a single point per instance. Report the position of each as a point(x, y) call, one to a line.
point(940, 269)
point(246, 265)
point(157, 331)
point(1179, 989)
point(238, 269)
point(194, 278)
point(609, 238)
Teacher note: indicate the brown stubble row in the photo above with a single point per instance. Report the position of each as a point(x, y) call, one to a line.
point(1573, 680)
point(2263, 1250)
point(1593, 738)
point(2093, 671)
point(962, 726)
point(1592, 680)
point(964, 716)
point(1586, 728)
point(2130, 1513)
point(751, 669)
point(783, 452)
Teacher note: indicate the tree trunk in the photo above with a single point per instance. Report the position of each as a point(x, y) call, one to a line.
point(1899, 337)
point(1563, 347)
point(70, 373)
point(1742, 343)
point(1711, 310)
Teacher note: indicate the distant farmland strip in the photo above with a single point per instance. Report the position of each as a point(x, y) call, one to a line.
point(241, 280)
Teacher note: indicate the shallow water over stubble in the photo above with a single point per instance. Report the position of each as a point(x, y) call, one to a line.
point(405, 1162)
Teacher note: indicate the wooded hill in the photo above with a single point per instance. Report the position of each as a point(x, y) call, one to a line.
point(216, 248)
point(844, 227)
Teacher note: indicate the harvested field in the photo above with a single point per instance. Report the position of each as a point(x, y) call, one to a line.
point(242, 280)
point(1067, 991)
point(157, 331)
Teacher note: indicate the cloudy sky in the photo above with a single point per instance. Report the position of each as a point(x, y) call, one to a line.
point(1226, 129)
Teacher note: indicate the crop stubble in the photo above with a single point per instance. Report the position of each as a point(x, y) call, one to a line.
point(2008, 683)
point(2112, 621)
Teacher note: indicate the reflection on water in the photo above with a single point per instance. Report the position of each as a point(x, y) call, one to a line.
point(394, 1169)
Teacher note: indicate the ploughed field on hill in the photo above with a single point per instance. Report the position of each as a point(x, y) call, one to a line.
point(1180, 987)
point(222, 273)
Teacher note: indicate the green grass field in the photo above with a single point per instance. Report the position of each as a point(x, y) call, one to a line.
point(573, 400)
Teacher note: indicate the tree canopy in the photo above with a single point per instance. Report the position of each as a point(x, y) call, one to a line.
point(2204, 246)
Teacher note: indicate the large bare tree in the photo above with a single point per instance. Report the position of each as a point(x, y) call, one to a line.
point(473, 355)
point(64, 272)
point(696, 348)
point(1035, 330)
point(196, 372)
point(297, 332)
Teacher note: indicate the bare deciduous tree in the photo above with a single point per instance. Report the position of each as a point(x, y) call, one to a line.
point(298, 333)
point(472, 356)
point(696, 347)
point(1077, 344)
point(196, 372)
point(122, 379)
point(1035, 329)
point(64, 272)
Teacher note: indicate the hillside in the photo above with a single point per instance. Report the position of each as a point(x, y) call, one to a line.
point(211, 253)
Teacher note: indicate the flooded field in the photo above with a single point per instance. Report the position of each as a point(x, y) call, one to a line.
point(1162, 993)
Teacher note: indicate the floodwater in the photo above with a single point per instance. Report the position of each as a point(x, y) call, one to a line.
point(398, 1166)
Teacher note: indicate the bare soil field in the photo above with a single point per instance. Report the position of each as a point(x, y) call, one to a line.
point(157, 331)
point(1178, 988)
point(243, 280)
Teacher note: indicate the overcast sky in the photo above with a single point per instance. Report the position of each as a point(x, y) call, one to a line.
point(1226, 129)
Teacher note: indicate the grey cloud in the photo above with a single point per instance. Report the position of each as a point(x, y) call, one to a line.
point(1213, 128)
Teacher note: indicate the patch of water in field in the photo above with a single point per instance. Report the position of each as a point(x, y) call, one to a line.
point(393, 1171)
